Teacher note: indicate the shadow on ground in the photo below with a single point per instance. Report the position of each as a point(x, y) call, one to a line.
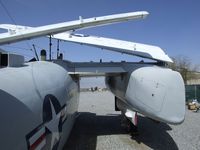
point(89, 125)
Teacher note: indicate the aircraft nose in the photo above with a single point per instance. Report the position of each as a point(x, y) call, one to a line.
point(158, 93)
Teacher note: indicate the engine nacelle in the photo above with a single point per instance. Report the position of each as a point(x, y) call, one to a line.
point(156, 92)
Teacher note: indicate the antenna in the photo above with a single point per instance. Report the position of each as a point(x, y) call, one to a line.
point(36, 55)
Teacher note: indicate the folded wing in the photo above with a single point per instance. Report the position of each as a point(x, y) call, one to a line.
point(131, 48)
point(28, 33)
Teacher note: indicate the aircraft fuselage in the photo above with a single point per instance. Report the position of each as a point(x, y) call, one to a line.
point(38, 104)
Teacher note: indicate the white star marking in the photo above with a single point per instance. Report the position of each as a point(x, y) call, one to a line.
point(53, 125)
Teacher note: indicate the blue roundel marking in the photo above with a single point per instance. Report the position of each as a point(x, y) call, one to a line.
point(47, 134)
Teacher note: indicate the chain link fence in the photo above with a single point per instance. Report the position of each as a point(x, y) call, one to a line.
point(192, 92)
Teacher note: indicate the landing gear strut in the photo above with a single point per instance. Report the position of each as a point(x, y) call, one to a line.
point(130, 125)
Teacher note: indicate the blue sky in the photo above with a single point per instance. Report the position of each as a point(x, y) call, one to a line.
point(173, 25)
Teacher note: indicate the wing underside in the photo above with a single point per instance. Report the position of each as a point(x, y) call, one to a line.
point(130, 48)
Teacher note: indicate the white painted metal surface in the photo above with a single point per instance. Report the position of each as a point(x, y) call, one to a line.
point(26, 115)
point(131, 48)
point(158, 92)
point(29, 33)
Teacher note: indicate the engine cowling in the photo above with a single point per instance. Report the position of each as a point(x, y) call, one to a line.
point(156, 92)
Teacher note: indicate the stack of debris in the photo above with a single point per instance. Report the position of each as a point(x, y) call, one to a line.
point(194, 105)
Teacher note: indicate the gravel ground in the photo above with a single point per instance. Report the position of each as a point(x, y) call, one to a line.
point(98, 128)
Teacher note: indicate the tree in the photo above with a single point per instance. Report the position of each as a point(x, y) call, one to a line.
point(183, 65)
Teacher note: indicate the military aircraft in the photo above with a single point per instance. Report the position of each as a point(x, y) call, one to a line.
point(39, 99)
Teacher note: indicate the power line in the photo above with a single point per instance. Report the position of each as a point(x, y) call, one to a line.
point(6, 10)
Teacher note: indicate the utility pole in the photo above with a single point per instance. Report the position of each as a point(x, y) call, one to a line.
point(58, 48)
point(50, 44)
